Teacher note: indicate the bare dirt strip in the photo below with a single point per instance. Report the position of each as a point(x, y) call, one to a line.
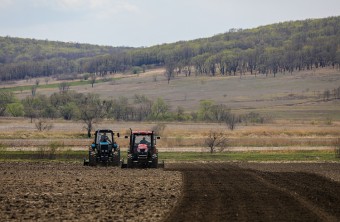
point(236, 192)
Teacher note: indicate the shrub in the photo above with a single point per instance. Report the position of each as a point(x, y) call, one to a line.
point(159, 128)
point(49, 152)
point(43, 125)
point(216, 140)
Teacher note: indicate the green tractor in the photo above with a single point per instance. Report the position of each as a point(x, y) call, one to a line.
point(142, 151)
point(104, 150)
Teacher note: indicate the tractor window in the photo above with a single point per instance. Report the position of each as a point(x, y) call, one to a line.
point(143, 139)
point(104, 137)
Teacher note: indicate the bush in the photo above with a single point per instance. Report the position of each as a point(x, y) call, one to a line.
point(43, 125)
point(49, 152)
point(159, 128)
point(15, 109)
point(136, 70)
point(253, 117)
point(216, 140)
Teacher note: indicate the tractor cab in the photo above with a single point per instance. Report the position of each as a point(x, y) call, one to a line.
point(142, 149)
point(104, 143)
point(104, 149)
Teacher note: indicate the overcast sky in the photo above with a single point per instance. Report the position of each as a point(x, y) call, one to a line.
point(148, 22)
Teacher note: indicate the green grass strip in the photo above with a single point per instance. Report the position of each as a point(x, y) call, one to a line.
point(255, 156)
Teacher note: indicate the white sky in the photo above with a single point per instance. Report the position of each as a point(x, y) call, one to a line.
point(149, 22)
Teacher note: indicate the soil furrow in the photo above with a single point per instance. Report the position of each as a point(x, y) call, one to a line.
point(224, 192)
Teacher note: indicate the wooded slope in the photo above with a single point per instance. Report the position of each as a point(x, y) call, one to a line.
point(282, 47)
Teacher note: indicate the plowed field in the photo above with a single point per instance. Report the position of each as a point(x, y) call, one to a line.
point(182, 192)
point(237, 192)
point(71, 192)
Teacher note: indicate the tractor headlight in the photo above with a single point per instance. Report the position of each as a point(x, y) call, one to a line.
point(154, 156)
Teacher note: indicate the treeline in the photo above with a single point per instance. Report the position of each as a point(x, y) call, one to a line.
point(89, 108)
point(282, 47)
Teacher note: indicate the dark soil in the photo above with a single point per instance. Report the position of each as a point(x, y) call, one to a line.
point(51, 191)
point(238, 192)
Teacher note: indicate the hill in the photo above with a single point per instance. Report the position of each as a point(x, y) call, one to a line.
point(305, 95)
point(282, 47)
point(28, 58)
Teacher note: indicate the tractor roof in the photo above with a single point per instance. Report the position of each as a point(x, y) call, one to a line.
point(142, 132)
point(104, 130)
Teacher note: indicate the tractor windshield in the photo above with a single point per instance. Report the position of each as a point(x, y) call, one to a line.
point(143, 139)
point(104, 137)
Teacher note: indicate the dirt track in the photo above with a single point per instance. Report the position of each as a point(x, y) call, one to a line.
point(235, 192)
point(208, 192)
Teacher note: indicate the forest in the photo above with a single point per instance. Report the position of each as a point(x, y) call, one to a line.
point(282, 47)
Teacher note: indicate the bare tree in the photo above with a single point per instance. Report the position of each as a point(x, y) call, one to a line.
point(93, 78)
point(143, 107)
point(63, 87)
point(326, 95)
point(91, 111)
point(34, 90)
point(169, 70)
point(231, 121)
point(216, 140)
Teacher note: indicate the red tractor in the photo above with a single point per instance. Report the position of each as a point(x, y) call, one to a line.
point(142, 151)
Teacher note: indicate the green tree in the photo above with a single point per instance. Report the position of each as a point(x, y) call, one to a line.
point(180, 115)
point(159, 109)
point(69, 111)
point(5, 99)
point(15, 109)
point(205, 110)
point(34, 106)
